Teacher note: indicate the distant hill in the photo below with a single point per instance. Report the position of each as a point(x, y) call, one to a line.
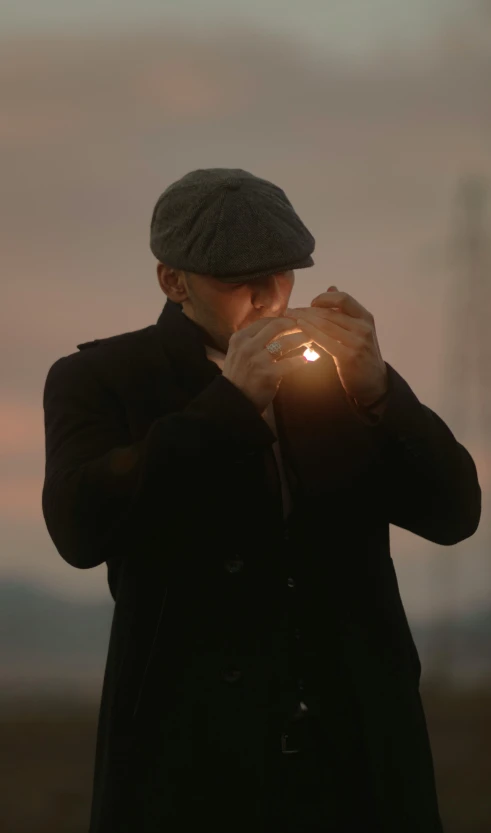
point(33, 621)
point(50, 643)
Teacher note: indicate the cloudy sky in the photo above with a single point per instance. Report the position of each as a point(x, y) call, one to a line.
point(369, 143)
point(350, 26)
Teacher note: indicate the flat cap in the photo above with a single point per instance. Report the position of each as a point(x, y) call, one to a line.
point(229, 224)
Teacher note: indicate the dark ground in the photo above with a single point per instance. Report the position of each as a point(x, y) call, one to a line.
point(47, 753)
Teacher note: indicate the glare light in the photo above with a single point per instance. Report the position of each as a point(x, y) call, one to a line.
point(311, 355)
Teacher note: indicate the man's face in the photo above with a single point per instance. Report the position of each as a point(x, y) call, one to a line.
point(223, 308)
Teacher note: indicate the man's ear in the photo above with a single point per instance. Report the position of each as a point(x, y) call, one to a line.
point(173, 283)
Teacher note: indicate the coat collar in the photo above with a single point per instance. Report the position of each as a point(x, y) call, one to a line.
point(184, 344)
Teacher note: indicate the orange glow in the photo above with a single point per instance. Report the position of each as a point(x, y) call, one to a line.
point(311, 355)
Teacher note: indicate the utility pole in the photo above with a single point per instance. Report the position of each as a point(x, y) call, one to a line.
point(466, 385)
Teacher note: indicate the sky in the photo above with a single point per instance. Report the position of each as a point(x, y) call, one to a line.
point(348, 26)
point(369, 144)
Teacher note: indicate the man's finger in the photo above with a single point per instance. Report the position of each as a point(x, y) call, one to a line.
point(257, 326)
point(318, 315)
point(275, 328)
point(341, 300)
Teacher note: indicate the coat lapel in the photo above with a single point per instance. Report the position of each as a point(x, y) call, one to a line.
point(182, 342)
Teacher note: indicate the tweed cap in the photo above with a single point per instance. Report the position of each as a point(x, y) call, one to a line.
point(229, 224)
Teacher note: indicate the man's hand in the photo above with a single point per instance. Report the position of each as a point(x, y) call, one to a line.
point(252, 368)
point(346, 330)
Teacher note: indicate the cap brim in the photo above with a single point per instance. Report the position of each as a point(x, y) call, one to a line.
point(309, 261)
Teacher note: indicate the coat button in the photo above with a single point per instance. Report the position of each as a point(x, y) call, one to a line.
point(301, 711)
point(233, 565)
point(231, 675)
point(291, 582)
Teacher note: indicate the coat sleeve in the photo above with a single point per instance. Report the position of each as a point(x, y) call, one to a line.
point(97, 486)
point(424, 479)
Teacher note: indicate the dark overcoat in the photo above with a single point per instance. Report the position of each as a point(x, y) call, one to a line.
point(155, 464)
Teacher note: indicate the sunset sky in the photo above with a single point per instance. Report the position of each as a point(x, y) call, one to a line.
point(101, 111)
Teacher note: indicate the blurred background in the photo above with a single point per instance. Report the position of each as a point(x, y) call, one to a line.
point(375, 118)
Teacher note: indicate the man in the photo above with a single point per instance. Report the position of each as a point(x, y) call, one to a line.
point(261, 674)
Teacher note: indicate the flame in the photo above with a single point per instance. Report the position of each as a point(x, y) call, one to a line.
point(311, 355)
